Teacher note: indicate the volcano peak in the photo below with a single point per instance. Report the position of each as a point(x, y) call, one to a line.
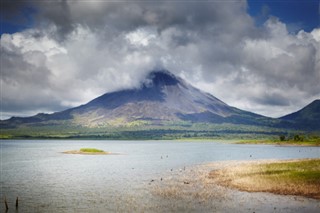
point(162, 77)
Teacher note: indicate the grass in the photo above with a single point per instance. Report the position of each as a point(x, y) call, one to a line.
point(298, 177)
point(90, 150)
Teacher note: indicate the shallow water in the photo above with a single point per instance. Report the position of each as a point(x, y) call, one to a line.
point(45, 180)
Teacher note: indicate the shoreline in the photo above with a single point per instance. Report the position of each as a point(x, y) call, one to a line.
point(280, 143)
point(227, 141)
point(190, 188)
point(204, 182)
point(283, 177)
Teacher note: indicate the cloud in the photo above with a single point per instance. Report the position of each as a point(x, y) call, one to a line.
point(78, 50)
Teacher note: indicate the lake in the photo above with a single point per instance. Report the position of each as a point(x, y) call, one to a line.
point(46, 180)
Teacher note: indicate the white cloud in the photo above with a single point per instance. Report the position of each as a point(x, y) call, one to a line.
point(141, 36)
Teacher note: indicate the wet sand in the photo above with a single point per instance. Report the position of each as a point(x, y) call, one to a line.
point(191, 190)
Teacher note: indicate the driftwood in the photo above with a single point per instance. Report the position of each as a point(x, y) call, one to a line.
point(6, 203)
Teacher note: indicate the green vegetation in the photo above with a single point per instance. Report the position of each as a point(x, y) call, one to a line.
point(174, 130)
point(296, 139)
point(301, 171)
point(298, 177)
point(139, 131)
point(87, 151)
point(90, 150)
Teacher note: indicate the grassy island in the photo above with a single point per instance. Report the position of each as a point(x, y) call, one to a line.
point(91, 150)
point(294, 177)
point(88, 151)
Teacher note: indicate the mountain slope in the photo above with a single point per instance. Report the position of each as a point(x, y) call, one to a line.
point(162, 98)
point(308, 118)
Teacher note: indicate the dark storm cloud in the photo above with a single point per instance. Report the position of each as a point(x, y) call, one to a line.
point(129, 15)
point(59, 14)
point(78, 50)
point(14, 11)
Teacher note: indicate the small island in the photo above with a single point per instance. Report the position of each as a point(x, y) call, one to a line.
point(88, 151)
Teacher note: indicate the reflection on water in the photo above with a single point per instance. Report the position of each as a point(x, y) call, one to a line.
point(45, 180)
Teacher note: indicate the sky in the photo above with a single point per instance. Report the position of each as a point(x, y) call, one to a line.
point(257, 55)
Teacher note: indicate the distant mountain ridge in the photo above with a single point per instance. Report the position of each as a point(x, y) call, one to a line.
point(164, 101)
point(306, 118)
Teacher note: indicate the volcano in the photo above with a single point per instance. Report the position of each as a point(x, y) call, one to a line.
point(161, 99)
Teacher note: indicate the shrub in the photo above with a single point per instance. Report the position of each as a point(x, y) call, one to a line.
point(282, 138)
point(298, 138)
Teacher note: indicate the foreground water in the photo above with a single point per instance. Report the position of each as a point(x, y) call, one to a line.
point(45, 180)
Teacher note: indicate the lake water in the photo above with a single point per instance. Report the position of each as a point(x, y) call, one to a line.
point(45, 180)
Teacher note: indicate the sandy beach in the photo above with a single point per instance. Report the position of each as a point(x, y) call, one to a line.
point(192, 189)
